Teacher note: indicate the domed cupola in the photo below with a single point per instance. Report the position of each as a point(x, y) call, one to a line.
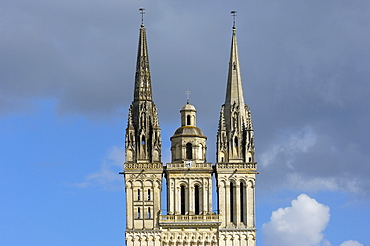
point(188, 142)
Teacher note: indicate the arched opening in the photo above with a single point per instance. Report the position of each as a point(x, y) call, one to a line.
point(189, 151)
point(196, 199)
point(188, 120)
point(143, 140)
point(138, 213)
point(231, 202)
point(148, 194)
point(182, 197)
point(149, 213)
point(241, 202)
point(236, 141)
point(138, 194)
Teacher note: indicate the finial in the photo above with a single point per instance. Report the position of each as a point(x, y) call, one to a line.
point(142, 12)
point(187, 93)
point(233, 13)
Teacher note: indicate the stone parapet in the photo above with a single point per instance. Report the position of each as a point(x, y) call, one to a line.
point(157, 165)
point(183, 165)
point(189, 218)
point(243, 165)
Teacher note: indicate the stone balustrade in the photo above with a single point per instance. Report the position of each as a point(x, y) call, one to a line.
point(183, 165)
point(244, 165)
point(157, 165)
point(189, 218)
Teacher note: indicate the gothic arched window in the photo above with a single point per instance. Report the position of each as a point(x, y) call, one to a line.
point(182, 197)
point(241, 202)
point(231, 202)
point(189, 151)
point(196, 199)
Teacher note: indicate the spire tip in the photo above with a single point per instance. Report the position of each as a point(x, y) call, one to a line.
point(233, 14)
point(142, 12)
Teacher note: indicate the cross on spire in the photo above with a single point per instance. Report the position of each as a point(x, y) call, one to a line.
point(187, 93)
point(142, 12)
point(233, 14)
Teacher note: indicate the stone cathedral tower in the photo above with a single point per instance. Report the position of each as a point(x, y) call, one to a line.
point(235, 168)
point(190, 220)
point(143, 166)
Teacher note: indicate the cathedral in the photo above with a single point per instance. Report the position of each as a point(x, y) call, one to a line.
point(189, 219)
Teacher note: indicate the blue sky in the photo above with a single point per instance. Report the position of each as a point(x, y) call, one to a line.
point(66, 82)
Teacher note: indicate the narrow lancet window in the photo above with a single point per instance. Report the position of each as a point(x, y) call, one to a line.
point(196, 199)
point(148, 213)
point(189, 151)
point(138, 194)
point(138, 213)
point(188, 120)
point(148, 194)
point(231, 202)
point(241, 202)
point(182, 197)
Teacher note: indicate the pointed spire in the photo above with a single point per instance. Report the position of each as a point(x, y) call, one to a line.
point(143, 134)
point(234, 91)
point(235, 133)
point(143, 86)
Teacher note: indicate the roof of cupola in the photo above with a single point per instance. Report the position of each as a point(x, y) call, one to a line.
point(188, 131)
point(188, 107)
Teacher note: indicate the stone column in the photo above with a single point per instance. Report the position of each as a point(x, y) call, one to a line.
point(209, 195)
point(237, 204)
point(227, 204)
point(171, 190)
point(177, 200)
point(157, 203)
point(221, 199)
point(129, 211)
point(191, 198)
point(250, 205)
point(205, 195)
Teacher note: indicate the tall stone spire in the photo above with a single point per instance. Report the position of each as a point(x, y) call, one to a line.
point(143, 87)
point(235, 141)
point(143, 137)
point(234, 91)
point(143, 168)
point(235, 168)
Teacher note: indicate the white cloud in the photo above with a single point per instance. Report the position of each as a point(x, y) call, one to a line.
point(301, 224)
point(351, 243)
point(108, 176)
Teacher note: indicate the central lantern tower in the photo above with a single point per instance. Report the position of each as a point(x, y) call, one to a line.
point(189, 187)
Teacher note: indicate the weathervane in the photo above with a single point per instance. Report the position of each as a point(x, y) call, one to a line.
point(188, 93)
point(233, 13)
point(142, 12)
